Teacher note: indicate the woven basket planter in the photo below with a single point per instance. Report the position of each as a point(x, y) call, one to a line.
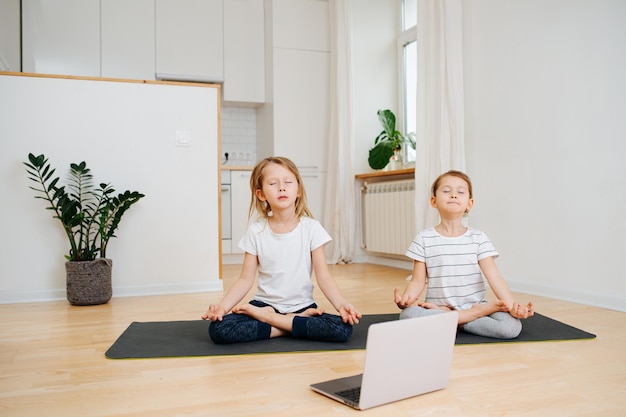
point(89, 282)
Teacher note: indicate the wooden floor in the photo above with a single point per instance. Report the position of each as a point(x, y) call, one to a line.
point(52, 363)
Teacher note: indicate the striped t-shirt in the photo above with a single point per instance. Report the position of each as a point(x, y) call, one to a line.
point(454, 276)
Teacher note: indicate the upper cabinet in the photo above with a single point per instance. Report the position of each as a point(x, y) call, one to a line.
point(189, 40)
point(294, 122)
point(298, 65)
point(244, 51)
point(198, 40)
point(10, 34)
point(61, 37)
point(128, 39)
point(301, 84)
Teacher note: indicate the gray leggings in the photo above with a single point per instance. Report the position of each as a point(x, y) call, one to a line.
point(499, 325)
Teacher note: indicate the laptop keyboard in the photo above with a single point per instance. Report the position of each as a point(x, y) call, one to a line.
point(352, 394)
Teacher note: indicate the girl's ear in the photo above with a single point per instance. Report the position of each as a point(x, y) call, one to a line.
point(433, 201)
point(470, 204)
point(259, 194)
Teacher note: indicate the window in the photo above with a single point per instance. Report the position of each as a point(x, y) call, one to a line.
point(409, 14)
point(407, 43)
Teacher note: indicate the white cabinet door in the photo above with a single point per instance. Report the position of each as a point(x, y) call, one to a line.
point(61, 37)
point(240, 203)
point(189, 39)
point(301, 84)
point(128, 39)
point(315, 185)
point(244, 51)
point(10, 49)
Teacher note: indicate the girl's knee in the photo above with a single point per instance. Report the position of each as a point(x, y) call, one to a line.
point(410, 313)
point(417, 311)
point(344, 333)
point(327, 328)
point(220, 332)
point(510, 327)
point(237, 328)
point(511, 330)
point(498, 326)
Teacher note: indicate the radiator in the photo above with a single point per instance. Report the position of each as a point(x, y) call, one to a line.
point(388, 216)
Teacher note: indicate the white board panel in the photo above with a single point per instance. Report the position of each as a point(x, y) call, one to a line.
point(127, 134)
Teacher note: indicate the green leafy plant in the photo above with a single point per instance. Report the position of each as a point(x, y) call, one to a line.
point(388, 140)
point(89, 215)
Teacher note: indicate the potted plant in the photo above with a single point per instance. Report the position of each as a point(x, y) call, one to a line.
point(388, 142)
point(89, 216)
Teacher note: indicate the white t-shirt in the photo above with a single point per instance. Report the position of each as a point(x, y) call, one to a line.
point(454, 276)
point(284, 262)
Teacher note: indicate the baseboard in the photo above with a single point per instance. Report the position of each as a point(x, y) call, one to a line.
point(597, 300)
point(380, 260)
point(173, 288)
point(32, 296)
point(216, 285)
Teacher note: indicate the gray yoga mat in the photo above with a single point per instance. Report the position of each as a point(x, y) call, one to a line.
point(191, 338)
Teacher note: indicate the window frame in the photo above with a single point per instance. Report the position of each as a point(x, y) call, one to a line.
point(405, 37)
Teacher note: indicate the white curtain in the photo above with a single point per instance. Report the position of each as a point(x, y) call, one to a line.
point(440, 110)
point(339, 209)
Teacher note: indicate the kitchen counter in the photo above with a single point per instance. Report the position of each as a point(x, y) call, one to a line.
point(386, 174)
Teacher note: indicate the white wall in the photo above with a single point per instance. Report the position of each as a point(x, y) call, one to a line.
point(546, 148)
point(126, 132)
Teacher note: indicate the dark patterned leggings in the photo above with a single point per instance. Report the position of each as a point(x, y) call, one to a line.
point(236, 328)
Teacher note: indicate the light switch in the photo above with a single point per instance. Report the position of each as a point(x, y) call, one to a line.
point(183, 138)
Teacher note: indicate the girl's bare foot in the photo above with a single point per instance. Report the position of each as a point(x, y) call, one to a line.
point(481, 310)
point(485, 309)
point(282, 324)
point(260, 313)
point(433, 306)
point(310, 312)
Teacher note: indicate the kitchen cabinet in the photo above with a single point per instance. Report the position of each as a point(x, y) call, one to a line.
point(10, 35)
point(295, 123)
point(301, 80)
point(189, 40)
point(240, 204)
point(198, 40)
point(315, 186)
point(128, 39)
point(61, 37)
point(244, 52)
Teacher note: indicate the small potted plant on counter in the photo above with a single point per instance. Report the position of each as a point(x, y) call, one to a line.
point(90, 216)
point(388, 144)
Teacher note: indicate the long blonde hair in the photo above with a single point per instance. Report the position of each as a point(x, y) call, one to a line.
point(263, 208)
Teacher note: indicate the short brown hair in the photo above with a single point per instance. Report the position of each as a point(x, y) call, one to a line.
point(453, 173)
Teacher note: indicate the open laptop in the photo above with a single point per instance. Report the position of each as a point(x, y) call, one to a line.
point(403, 358)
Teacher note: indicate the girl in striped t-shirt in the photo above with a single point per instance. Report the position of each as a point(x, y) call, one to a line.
point(452, 259)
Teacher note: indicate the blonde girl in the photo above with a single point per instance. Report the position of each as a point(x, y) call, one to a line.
point(284, 244)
